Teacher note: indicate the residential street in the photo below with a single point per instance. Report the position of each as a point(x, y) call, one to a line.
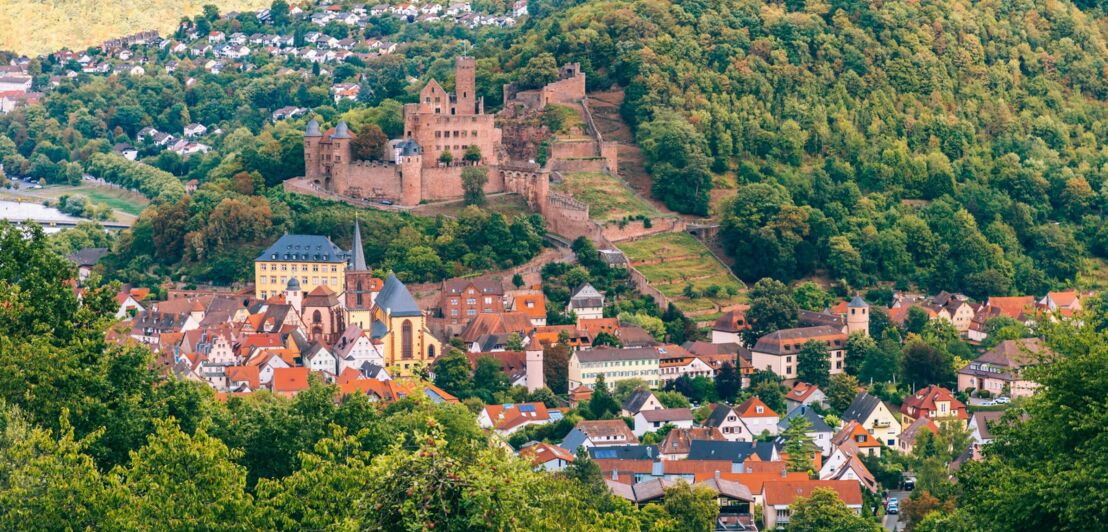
point(892, 522)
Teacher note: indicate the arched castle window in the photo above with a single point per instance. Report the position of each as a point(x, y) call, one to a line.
point(317, 317)
point(406, 339)
point(430, 351)
point(358, 293)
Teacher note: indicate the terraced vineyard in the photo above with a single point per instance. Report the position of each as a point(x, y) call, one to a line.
point(673, 262)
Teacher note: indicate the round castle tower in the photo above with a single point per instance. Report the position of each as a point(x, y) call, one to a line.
point(411, 172)
point(857, 316)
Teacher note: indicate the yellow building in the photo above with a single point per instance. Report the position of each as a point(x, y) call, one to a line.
point(313, 260)
point(401, 328)
point(586, 366)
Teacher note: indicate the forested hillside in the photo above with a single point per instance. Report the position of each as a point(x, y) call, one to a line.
point(937, 142)
point(37, 27)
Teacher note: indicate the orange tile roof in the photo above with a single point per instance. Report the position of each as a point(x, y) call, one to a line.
point(784, 492)
point(749, 408)
point(1013, 307)
point(537, 308)
point(599, 325)
point(349, 375)
point(801, 391)
point(249, 374)
point(541, 453)
point(290, 380)
point(851, 432)
point(509, 416)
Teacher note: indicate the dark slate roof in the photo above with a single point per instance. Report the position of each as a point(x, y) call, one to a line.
point(624, 452)
point(735, 451)
point(304, 248)
point(718, 415)
point(635, 401)
point(87, 256)
point(805, 411)
point(857, 302)
point(585, 296)
point(396, 300)
point(862, 406)
point(358, 262)
point(313, 129)
point(409, 148)
point(342, 131)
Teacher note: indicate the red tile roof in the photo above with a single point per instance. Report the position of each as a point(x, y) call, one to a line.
point(509, 416)
point(923, 402)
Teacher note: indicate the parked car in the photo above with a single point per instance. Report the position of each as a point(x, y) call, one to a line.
point(1002, 400)
point(988, 403)
point(893, 506)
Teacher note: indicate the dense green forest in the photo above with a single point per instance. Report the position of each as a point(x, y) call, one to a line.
point(959, 145)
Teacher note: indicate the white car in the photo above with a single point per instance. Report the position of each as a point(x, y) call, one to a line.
point(988, 403)
point(1002, 400)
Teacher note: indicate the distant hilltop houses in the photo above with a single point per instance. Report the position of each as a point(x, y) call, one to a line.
point(218, 51)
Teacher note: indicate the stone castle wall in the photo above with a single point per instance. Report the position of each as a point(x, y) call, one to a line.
point(445, 183)
point(373, 180)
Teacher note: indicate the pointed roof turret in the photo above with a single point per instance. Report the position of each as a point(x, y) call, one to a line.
point(857, 302)
point(342, 131)
point(358, 252)
point(313, 129)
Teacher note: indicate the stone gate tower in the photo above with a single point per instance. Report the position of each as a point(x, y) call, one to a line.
point(857, 316)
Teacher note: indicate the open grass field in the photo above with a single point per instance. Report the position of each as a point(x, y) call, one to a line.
point(37, 27)
point(126, 204)
point(685, 261)
point(607, 197)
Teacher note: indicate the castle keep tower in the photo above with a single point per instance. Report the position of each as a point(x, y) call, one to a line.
point(340, 158)
point(465, 86)
point(312, 137)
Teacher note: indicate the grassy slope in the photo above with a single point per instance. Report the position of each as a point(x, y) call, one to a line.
point(686, 257)
point(34, 27)
point(608, 199)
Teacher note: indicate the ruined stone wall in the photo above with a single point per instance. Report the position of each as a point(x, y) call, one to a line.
point(610, 152)
point(633, 229)
point(573, 149)
point(567, 90)
point(596, 165)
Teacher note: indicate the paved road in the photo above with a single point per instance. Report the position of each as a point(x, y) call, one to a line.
point(892, 521)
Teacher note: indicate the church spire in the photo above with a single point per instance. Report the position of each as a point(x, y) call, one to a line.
point(359, 253)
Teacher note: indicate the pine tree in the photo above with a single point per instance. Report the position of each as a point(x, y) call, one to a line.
point(798, 444)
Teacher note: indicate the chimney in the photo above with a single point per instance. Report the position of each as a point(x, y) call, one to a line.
point(615, 475)
point(717, 474)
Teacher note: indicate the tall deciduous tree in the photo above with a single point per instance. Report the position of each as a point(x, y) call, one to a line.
point(813, 363)
point(474, 179)
point(772, 307)
point(825, 511)
point(369, 144)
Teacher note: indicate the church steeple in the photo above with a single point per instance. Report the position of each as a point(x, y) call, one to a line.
point(359, 253)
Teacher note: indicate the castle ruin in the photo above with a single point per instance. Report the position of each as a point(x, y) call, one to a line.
point(413, 169)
